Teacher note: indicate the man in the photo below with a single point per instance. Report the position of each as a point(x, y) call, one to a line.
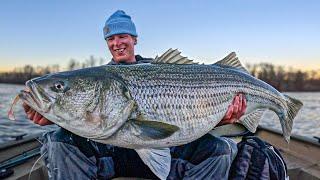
point(69, 156)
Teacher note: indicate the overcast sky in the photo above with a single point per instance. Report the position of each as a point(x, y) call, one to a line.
point(40, 32)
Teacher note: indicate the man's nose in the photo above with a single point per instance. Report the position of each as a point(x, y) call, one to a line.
point(116, 42)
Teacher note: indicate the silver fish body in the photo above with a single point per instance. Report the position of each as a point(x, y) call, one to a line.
point(194, 98)
point(144, 106)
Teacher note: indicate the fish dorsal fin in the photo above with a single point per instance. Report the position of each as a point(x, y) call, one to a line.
point(232, 61)
point(172, 56)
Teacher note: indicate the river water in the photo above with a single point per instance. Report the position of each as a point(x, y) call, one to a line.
point(307, 122)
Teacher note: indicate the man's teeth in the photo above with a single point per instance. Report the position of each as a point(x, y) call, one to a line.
point(119, 50)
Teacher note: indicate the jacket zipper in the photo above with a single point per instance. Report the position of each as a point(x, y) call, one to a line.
point(285, 172)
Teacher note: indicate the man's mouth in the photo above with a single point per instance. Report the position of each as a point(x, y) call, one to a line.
point(120, 50)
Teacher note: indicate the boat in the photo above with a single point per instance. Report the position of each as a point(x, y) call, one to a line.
point(302, 154)
point(20, 159)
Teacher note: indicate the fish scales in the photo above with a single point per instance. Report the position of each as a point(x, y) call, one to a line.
point(153, 76)
point(193, 98)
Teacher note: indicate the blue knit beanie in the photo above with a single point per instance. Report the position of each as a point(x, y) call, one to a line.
point(119, 23)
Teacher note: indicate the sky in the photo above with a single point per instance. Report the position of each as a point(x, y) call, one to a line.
point(40, 32)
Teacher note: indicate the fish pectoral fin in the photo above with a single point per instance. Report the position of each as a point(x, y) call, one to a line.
point(251, 120)
point(158, 160)
point(152, 129)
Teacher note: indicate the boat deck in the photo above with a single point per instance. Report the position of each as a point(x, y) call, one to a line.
point(302, 156)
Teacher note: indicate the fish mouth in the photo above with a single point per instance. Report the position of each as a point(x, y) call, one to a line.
point(36, 97)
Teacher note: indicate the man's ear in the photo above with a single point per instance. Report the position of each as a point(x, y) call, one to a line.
point(135, 40)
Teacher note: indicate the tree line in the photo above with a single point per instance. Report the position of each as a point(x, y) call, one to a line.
point(281, 78)
point(286, 79)
point(20, 75)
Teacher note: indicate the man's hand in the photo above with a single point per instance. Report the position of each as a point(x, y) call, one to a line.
point(35, 116)
point(235, 110)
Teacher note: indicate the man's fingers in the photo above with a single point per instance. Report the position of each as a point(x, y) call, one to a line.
point(233, 120)
point(31, 114)
point(239, 113)
point(240, 102)
point(229, 112)
point(43, 121)
point(236, 105)
point(235, 100)
point(235, 110)
point(244, 105)
point(37, 117)
point(26, 107)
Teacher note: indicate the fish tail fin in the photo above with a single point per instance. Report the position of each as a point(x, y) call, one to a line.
point(293, 106)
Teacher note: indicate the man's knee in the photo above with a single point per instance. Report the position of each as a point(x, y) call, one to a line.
point(59, 147)
point(211, 147)
point(205, 147)
point(68, 156)
point(63, 139)
point(220, 145)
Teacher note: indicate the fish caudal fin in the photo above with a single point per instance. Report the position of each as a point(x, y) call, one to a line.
point(158, 160)
point(293, 106)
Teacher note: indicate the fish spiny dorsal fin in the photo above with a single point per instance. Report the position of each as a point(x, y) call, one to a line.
point(163, 55)
point(166, 53)
point(232, 61)
point(172, 57)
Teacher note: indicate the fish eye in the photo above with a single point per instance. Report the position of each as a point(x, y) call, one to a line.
point(59, 86)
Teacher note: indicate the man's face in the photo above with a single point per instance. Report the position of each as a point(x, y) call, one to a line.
point(121, 47)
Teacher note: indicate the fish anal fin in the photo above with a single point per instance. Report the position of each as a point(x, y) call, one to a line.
point(251, 120)
point(231, 60)
point(172, 56)
point(152, 130)
point(158, 160)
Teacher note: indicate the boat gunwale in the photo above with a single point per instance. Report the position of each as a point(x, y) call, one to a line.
point(295, 137)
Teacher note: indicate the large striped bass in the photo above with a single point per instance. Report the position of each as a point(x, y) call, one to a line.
point(150, 107)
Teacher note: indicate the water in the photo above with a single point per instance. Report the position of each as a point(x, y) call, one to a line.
point(10, 129)
point(307, 122)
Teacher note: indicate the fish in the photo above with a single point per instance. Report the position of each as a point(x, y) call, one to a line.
point(153, 106)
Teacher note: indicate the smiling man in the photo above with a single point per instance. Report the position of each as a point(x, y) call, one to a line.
point(69, 156)
point(122, 48)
